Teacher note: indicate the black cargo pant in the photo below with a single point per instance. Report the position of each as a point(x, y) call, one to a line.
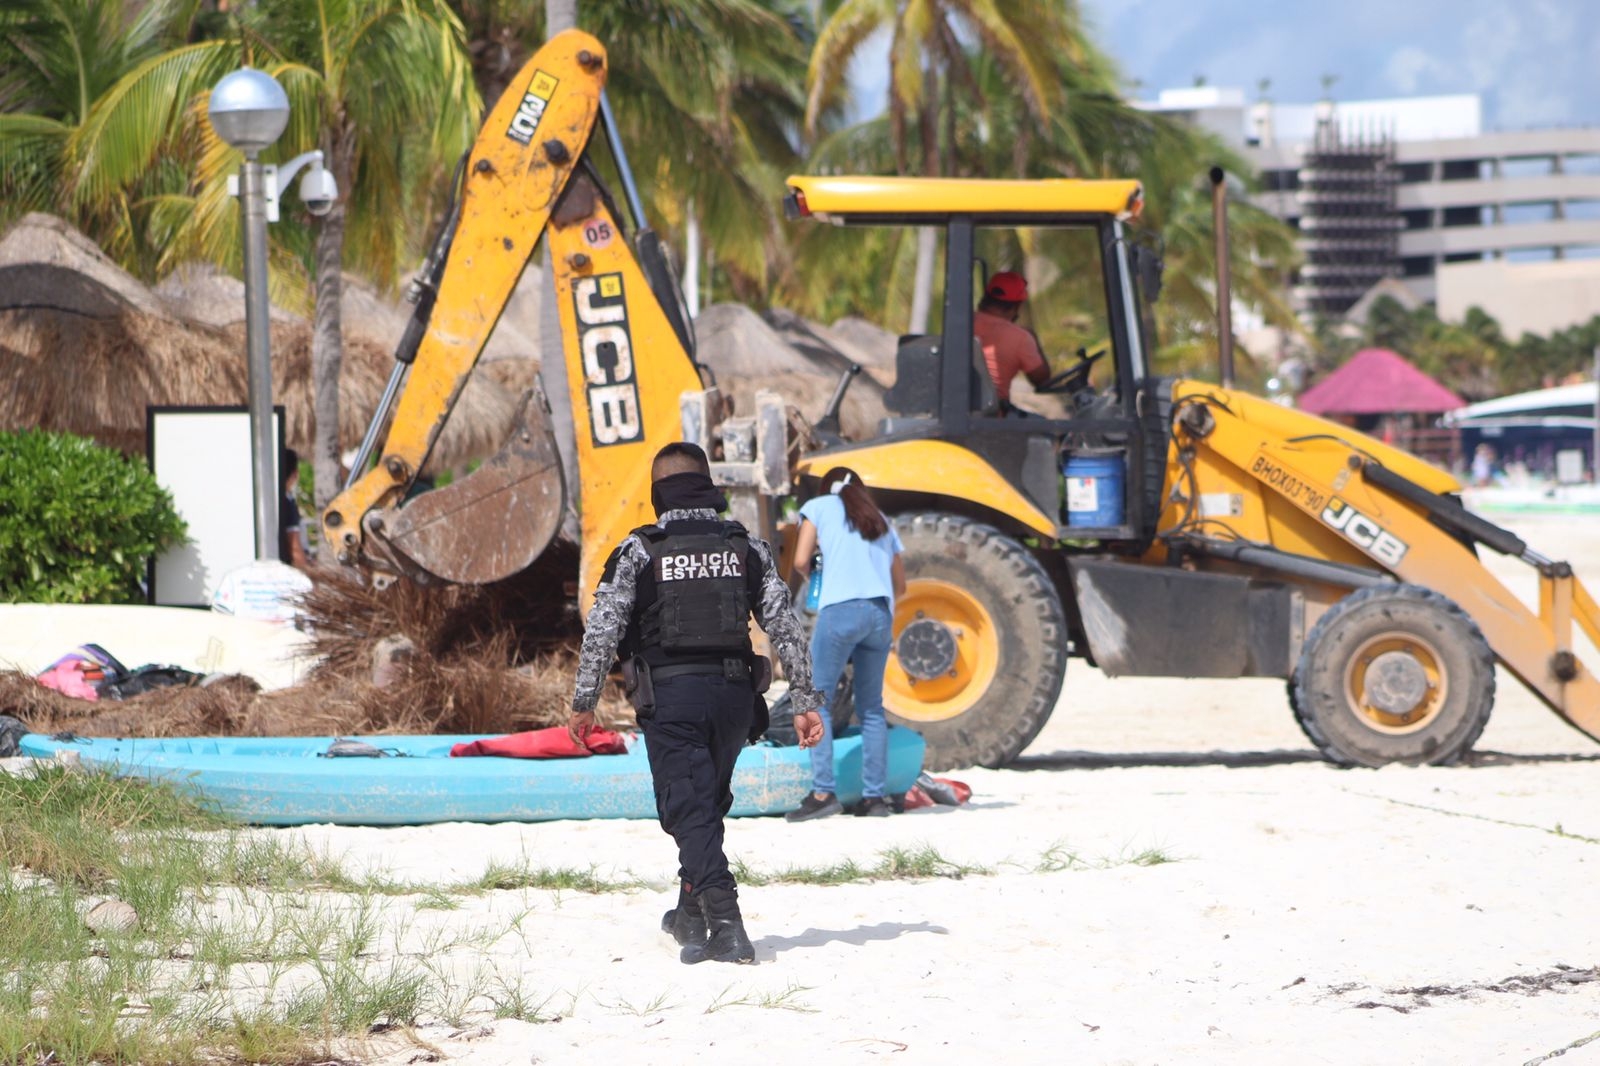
point(701, 722)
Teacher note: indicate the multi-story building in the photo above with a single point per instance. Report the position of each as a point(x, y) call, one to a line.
point(1404, 188)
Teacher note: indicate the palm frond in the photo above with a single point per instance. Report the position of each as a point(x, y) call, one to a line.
point(126, 126)
point(837, 44)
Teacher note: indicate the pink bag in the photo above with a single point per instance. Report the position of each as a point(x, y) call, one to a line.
point(68, 677)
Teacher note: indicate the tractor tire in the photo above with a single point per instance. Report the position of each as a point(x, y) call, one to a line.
point(1010, 636)
point(1395, 673)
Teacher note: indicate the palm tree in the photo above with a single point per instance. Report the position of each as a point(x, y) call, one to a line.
point(60, 61)
point(929, 60)
point(359, 75)
point(139, 158)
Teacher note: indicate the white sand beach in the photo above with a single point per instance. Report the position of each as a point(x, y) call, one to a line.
point(1303, 914)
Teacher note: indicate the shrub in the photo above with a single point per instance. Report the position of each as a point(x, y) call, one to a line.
point(77, 521)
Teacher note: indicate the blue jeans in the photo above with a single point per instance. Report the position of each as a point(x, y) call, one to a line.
point(859, 632)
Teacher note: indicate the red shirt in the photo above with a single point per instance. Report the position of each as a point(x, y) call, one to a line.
point(1008, 350)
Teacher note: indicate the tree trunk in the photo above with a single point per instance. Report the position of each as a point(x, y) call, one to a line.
point(927, 236)
point(691, 261)
point(560, 15)
point(922, 280)
point(327, 340)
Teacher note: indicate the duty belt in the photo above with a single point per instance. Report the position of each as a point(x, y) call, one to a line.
point(731, 669)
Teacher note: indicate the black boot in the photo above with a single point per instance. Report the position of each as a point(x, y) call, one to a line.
point(728, 942)
point(685, 922)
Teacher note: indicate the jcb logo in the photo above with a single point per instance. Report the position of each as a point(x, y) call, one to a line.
point(537, 98)
point(609, 380)
point(1364, 532)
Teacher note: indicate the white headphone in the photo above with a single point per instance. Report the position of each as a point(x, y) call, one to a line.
point(838, 486)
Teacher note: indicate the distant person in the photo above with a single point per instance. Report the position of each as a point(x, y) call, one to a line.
point(862, 573)
point(1483, 464)
point(291, 531)
point(1008, 349)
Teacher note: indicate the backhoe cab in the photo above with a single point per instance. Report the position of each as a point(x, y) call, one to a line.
point(1159, 527)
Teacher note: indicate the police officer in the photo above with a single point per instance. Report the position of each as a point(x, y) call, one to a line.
point(676, 599)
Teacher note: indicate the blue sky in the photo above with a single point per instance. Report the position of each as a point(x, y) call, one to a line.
point(1534, 62)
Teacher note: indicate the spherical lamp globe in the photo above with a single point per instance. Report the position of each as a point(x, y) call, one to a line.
point(249, 110)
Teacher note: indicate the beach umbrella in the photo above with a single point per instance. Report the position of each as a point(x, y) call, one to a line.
point(1377, 381)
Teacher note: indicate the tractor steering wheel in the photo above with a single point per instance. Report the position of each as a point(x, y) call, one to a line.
point(1076, 377)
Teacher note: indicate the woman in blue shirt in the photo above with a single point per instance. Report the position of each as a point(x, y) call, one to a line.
point(862, 573)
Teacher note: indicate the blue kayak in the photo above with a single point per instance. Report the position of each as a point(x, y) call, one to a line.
point(286, 781)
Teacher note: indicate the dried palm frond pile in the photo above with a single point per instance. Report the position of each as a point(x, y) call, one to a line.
point(477, 659)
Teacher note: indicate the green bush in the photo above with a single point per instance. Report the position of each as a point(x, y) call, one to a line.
point(77, 521)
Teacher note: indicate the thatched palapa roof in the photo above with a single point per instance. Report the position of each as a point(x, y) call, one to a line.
point(747, 354)
point(90, 351)
point(47, 264)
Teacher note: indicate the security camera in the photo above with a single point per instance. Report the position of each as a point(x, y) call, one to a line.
point(318, 190)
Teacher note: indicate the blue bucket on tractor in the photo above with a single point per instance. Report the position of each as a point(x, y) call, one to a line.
point(1094, 490)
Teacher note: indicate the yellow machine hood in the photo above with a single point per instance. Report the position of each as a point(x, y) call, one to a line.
point(1290, 424)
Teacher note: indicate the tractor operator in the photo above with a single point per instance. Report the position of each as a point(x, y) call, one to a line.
point(677, 597)
point(1008, 349)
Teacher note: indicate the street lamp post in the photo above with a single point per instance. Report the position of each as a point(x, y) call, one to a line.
point(249, 110)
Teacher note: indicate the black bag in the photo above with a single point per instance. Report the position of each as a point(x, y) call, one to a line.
point(11, 732)
point(147, 678)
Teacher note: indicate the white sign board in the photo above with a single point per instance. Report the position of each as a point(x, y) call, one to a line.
point(202, 456)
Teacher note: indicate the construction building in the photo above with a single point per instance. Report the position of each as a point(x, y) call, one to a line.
point(1406, 188)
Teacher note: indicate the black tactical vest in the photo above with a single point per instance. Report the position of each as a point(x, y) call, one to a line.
point(695, 604)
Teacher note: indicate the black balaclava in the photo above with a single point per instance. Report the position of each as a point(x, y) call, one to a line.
point(688, 491)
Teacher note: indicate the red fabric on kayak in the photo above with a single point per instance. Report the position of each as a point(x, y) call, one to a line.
point(551, 743)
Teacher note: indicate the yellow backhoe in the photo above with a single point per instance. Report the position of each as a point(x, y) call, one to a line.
point(1152, 526)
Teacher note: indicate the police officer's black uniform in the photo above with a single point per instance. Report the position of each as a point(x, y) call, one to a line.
point(676, 600)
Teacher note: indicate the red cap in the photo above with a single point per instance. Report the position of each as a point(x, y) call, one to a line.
point(1008, 286)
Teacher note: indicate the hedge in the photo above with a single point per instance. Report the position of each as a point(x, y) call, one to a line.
point(78, 522)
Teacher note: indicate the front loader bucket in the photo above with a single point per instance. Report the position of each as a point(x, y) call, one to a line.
point(495, 521)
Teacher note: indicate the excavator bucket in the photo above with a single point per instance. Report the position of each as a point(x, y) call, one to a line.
point(495, 521)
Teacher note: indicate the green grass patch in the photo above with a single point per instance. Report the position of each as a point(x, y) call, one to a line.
point(502, 877)
point(919, 863)
point(91, 829)
point(1059, 857)
point(787, 999)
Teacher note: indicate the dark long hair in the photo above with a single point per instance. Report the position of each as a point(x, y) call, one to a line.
point(860, 512)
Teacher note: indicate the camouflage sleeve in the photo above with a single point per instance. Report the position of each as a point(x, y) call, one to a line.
point(775, 613)
point(607, 621)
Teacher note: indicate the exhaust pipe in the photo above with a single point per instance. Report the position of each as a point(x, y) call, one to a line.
point(1219, 225)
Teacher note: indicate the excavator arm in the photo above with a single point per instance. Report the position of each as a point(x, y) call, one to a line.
point(1322, 497)
point(625, 352)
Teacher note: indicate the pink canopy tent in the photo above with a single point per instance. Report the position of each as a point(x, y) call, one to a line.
point(1378, 382)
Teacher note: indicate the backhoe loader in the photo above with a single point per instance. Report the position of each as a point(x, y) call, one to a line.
point(1151, 526)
